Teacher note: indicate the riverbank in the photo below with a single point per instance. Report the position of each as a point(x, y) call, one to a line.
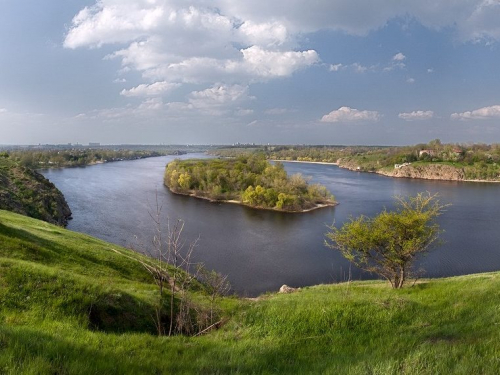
point(233, 201)
point(75, 298)
point(307, 162)
point(394, 173)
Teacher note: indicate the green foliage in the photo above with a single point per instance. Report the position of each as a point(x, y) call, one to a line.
point(477, 161)
point(444, 326)
point(249, 179)
point(75, 157)
point(27, 192)
point(389, 243)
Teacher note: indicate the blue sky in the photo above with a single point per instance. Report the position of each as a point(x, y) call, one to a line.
point(222, 71)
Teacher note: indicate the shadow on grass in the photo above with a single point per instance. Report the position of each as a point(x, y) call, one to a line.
point(21, 244)
point(26, 348)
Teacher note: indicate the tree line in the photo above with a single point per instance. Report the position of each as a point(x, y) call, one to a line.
point(478, 161)
point(40, 159)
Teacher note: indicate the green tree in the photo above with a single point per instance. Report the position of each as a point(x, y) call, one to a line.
point(388, 244)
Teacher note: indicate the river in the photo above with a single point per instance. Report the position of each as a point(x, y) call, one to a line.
point(262, 250)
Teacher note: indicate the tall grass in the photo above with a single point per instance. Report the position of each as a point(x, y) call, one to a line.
point(52, 281)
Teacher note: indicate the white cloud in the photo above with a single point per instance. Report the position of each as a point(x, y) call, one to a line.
point(396, 62)
point(217, 100)
point(195, 42)
point(219, 95)
point(3, 110)
point(278, 64)
point(430, 70)
point(335, 67)
point(119, 80)
point(416, 115)
point(241, 42)
point(347, 114)
point(263, 34)
point(484, 113)
point(410, 80)
point(470, 19)
point(244, 112)
point(356, 67)
point(276, 111)
point(399, 57)
point(151, 104)
point(154, 89)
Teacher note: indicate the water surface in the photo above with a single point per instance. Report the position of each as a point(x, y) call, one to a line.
point(262, 250)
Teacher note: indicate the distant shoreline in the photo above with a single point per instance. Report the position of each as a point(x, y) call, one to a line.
point(382, 173)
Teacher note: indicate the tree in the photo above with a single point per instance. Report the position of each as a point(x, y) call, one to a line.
point(388, 244)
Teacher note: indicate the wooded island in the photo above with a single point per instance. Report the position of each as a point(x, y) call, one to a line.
point(249, 180)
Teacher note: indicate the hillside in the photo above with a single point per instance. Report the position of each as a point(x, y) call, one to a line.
point(27, 192)
point(69, 304)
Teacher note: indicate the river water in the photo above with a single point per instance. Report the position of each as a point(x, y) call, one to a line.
point(262, 250)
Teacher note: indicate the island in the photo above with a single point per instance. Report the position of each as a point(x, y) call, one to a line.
point(249, 180)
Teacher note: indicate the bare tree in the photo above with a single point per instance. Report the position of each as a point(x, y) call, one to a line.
point(217, 286)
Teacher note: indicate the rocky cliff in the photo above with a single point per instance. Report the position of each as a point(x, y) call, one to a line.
point(27, 192)
point(428, 172)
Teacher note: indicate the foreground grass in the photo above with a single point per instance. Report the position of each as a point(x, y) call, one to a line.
point(70, 305)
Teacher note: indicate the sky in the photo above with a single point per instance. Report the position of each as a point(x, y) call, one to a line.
point(372, 72)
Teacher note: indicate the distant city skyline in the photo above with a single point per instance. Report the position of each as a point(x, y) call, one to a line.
point(337, 72)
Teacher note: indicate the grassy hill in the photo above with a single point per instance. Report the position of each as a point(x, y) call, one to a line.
point(69, 304)
point(27, 192)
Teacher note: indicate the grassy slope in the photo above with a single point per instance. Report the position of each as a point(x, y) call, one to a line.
point(49, 278)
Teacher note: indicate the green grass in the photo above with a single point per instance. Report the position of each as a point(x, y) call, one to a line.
point(70, 305)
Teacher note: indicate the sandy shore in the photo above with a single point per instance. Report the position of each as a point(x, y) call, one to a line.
point(232, 201)
point(308, 162)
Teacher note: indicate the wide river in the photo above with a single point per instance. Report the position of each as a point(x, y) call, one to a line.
point(262, 250)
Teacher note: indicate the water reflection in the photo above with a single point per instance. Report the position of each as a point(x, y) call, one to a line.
point(261, 250)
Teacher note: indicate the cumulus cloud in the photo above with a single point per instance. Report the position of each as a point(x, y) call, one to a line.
point(410, 80)
point(151, 104)
point(348, 114)
point(470, 19)
point(416, 115)
point(396, 63)
point(399, 57)
point(274, 63)
point(263, 34)
point(335, 67)
point(195, 42)
point(484, 113)
point(217, 100)
point(355, 67)
point(242, 42)
point(154, 89)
